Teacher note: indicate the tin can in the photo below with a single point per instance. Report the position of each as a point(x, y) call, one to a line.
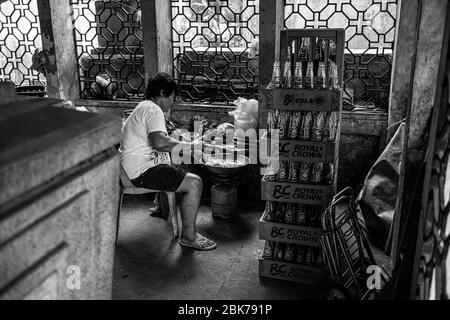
point(300, 218)
point(321, 76)
point(268, 250)
point(283, 171)
point(298, 76)
point(309, 257)
point(301, 253)
point(289, 214)
point(293, 172)
point(294, 126)
point(305, 128)
point(283, 124)
point(318, 126)
point(328, 173)
point(304, 172)
point(289, 253)
point(317, 173)
point(279, 251)
point(269, 212)
point(308, 80)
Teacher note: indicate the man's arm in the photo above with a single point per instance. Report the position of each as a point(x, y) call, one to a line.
point(164, 143)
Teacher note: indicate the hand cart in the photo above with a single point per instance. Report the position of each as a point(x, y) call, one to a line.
point(347, 250)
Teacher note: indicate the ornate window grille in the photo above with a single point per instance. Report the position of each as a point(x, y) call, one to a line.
point(108, 37)
point(370, 31)
point(20, 36)
point(211, 40)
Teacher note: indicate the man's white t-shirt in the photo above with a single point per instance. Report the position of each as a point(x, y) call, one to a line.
point(136, 152)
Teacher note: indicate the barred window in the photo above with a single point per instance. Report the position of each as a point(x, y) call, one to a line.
point(108, 39)
point(211, 46)
point(369, 33)
point(20, 36)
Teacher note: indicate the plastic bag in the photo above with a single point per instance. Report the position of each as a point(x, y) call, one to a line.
point(245, 115)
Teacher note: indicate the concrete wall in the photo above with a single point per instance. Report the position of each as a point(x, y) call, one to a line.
point(59, 178)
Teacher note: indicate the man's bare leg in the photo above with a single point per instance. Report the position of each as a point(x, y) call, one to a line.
point(191, 187)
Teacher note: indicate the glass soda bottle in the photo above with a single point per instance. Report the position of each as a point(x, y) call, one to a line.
point(268, 250)
point(287, 73)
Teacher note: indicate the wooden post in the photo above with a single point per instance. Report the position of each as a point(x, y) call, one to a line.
point(157, 34)
point(402, 69)
point(58, 42)
point(432, 19)
point(271, 20)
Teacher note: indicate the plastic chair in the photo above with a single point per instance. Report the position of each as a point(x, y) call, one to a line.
point(127, 187)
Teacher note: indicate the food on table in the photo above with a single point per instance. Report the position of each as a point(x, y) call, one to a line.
point(212, 162)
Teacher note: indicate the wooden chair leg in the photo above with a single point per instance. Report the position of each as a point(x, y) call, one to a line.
point(118, 214)
point(173, 214)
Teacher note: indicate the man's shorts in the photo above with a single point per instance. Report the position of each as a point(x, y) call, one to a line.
point(163, 177)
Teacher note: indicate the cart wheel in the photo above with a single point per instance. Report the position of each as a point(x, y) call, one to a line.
point(338, 293)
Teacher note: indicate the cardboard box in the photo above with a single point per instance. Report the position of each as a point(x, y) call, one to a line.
point(306, 99)
point(289, 233)
point(297, 193)
point(293, 272)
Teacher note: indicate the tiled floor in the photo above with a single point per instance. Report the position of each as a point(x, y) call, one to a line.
point(148, 265)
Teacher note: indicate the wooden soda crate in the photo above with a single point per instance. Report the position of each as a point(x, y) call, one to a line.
point(304, 151)
point(289, 233)
point(297, 193)
point(306, 99)
point(293, 272)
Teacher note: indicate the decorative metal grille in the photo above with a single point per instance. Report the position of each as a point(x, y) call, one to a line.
point(211, 40)
point(20, 35)
point(108, 37)
point(434, 268)
point(370, 30)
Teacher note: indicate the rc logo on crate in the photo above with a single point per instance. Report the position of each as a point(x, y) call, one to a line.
point(281, 192)
point(277, 232)
point(278, 270)
point(284, 149)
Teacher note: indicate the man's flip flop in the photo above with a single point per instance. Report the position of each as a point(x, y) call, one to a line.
point(198, 246)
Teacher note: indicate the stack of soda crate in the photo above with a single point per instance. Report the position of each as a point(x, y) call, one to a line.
point(305, 107)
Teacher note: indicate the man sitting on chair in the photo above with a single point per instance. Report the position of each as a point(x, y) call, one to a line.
point(145, 156)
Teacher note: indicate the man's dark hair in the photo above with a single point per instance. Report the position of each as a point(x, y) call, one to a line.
point(160, 82)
